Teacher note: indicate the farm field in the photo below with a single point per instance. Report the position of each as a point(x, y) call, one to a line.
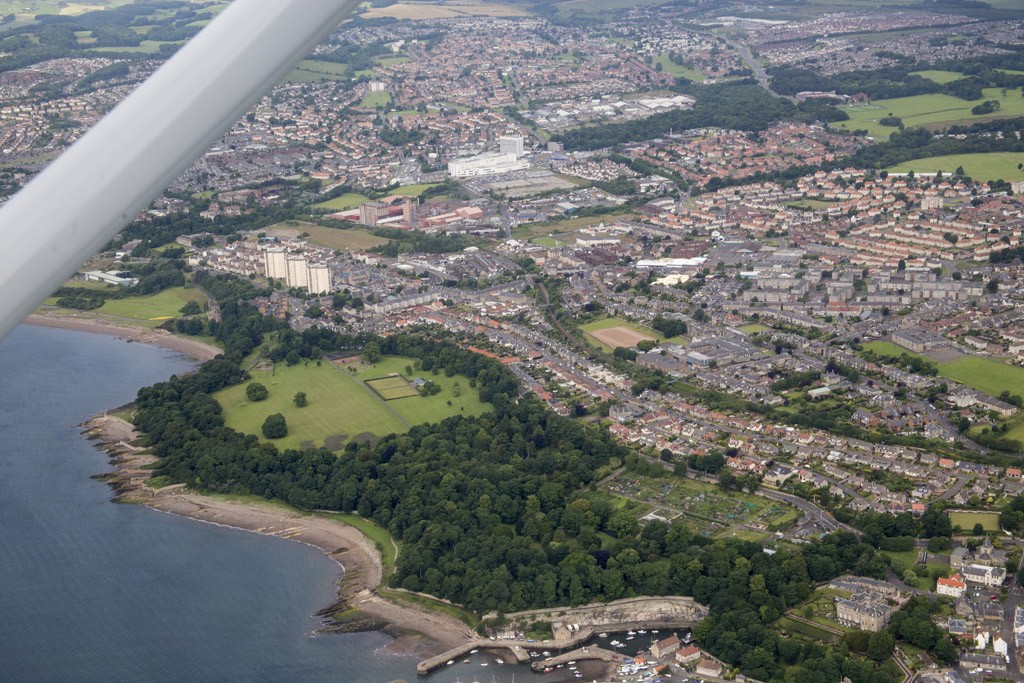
point(419, 410)
point(145, 47)
point(447, 11)
point(987, 166)
point(344, 240)
point(349, 200)
point(966, 520)
point(152, 310)
point(939, 76)
point(716, 510)
point(934, 110)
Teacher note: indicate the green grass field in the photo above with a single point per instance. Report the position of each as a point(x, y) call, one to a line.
point(678, 70)
point(310, 71)
point(938, 76)
point(419, 410)
point(884, 348)
point(966, 520)
point(151, 311)
point(990, 166)
point(392, 387)
point(339, 406)
point(343, 240)
point(984, 374)
point(349, 200)
point(374, 100)
point(755, 328)
point(415, 190)
point(933, 110)
point(145, 47)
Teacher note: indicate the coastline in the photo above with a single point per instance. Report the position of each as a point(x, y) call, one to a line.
point(415, 630)
point(193, 348)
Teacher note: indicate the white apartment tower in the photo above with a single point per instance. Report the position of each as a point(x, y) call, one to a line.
point(277, 264)
point(319, 279)
point(511, 144)
point(298, 272)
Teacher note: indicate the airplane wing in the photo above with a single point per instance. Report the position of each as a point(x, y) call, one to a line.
point(82, 199)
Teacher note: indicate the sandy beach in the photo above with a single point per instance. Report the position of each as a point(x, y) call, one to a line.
point(193, 348)
point(415, 629)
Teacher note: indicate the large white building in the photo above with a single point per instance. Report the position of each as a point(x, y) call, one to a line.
point(319, 279)
point(277, 264)
point(511, 144)
point(296, 271)
point(486, 164)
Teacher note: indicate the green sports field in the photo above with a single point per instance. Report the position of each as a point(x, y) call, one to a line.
point(966, 520)
point(984, 374)
point(932, 110)
point(678, 70)
point(420, 410)
point(392, 387)
point(939, 76)
point(376, 99)
point(990, 166)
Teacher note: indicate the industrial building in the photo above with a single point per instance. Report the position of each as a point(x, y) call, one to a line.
point(491, 163)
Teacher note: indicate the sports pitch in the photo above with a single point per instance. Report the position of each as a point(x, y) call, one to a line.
point(391, 387)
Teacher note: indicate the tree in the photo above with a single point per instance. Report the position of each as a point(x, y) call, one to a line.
point(978, 529)
point(256, 392)
point(945, 651)
point(275, 426)
point(992, 286)
point(880, 645)
point(300, 400)
point(371, 353)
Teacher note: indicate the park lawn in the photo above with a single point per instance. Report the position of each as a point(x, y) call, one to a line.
point(548, 242)
point(343, 240)
point(419, 409)
point(154, 309)
point(349, 200)
point(936, 110)
point(392, 61)
point(981, 166)
point(885, 348)
point(810, 203)
point(984, 374)
point(677, 70)
point(339, 406)
point(966, 520)
point(374, 100)
point(754, 328)
point(414, 190)
point(940, 77)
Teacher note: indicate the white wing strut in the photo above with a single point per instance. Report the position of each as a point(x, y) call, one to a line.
point(71, 209)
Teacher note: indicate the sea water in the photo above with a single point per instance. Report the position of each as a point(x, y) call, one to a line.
point(95, 591)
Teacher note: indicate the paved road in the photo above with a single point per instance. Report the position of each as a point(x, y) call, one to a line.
point(759, 73)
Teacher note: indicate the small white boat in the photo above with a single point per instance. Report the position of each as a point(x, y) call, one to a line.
point(602, 635)
point(473, 652)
